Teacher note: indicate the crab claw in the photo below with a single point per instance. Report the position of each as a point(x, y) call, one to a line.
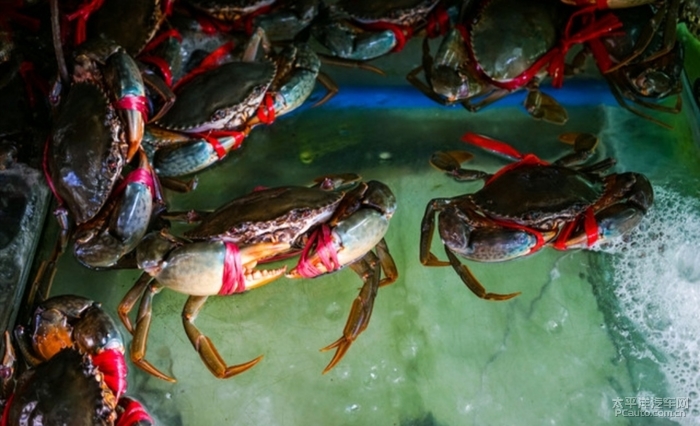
point(348, 241)
point(251, 255)
point(134, 131)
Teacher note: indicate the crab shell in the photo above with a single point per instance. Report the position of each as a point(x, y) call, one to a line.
point(87, 150)
point(508, 36)
point(66, 390)
point(130, 23)
point(538, 196)
point(221, 98)
point(399, 12)
point(269, 215)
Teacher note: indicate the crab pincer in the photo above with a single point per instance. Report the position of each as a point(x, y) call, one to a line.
point(351, 243)
point(199, 269)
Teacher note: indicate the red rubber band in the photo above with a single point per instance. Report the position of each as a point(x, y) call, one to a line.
point(590, 225)
point(210, 62)
point(133, 413)
point(113, 366)
point(563, 237)
point(538, 235)
point(82, 15)
point(133, 103)
point(401, 33)
point(139, 175)
point(160, 38)
point(438, 22)
point(233, 280)
point(492, 145)
point(162, 66)
point(266, 110)
point(321, 243)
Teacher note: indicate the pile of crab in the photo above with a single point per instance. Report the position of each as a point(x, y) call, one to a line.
point(125, 97)
point(496, 47)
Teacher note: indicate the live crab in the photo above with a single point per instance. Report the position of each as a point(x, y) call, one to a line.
point(339, 222)
point(528, 205)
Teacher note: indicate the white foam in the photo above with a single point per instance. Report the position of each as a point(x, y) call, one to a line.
point(657, 283)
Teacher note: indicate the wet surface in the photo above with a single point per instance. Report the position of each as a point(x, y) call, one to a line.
point(563, 352)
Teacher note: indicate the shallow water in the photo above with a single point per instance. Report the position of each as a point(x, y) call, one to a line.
point(590, 330)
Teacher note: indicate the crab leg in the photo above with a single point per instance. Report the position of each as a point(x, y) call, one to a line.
point(470, 280)
point(140, 339)
point(369, 268)
point(205, 347)
point(130, 299)
point(427, 229)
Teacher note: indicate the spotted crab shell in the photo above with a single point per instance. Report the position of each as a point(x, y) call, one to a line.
point(399, 12)
point(508, 36)
point(274, 214)
point(221, 98)
point(538, 195)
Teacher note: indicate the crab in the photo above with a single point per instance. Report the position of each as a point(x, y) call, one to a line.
point(364, 30)
point(491, 53)
point(217, 107)
point(333, 228)
point(653, 75)
point(78, 372)
point(657, 34)
point(528, 205)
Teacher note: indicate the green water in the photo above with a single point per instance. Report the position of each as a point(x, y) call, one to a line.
point(433, 354)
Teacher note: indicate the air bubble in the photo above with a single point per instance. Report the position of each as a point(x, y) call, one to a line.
point(656, 280)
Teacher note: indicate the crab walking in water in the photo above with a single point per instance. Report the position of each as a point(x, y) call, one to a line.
point(529, 204)
point(339, 222)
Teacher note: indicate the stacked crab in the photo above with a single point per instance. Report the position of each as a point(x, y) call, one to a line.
point(134, 109)
point(77, 372)
point(490, 53)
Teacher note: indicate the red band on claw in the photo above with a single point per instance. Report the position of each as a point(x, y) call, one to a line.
point(133, 413)
point(321, 242)
point(133, 103)
point(113, 366)
point(233, 280)
point(266, 110)
point(401, 33)
point(82, 15)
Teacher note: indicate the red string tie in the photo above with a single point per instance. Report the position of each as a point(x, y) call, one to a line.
point(321, 242)
point(133, 103)
point(132, 413)
point(401, 33)
point(82, 15)
point(113, 367)
point(438, 22)
point(266, 110)
point(233, 280)
point(212, 61)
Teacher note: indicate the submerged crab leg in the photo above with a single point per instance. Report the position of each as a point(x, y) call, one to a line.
point(143, 326)
point(470, 280)
point(369, 268)
point(205, 347)
point(427, 230)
